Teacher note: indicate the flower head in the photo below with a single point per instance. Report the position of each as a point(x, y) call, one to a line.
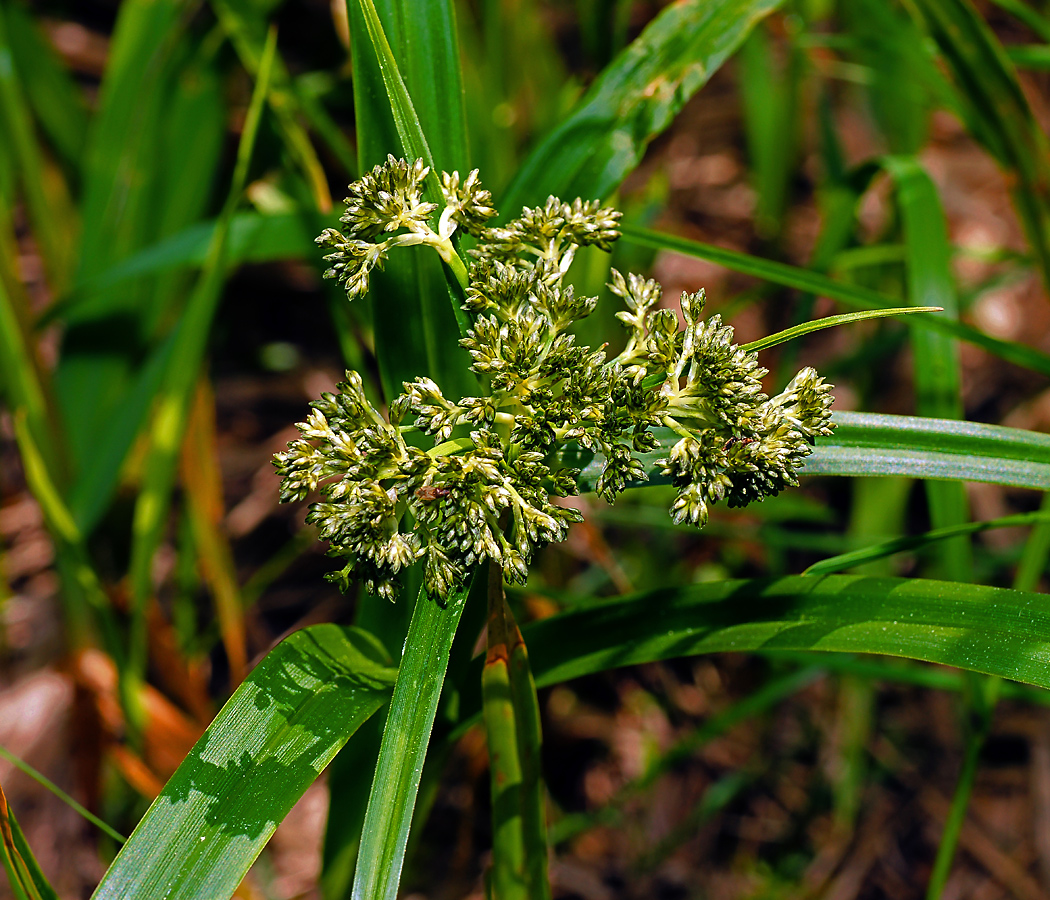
point(481, 489)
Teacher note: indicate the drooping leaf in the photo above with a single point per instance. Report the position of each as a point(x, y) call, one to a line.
point(633, 99)
point(267, 745)
point(984, 629)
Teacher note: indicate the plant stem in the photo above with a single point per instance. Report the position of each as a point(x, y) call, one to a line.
point(404, 747)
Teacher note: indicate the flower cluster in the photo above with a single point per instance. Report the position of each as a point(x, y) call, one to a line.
point(482, 488)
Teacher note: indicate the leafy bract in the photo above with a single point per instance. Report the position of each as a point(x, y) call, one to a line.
point(274, 736)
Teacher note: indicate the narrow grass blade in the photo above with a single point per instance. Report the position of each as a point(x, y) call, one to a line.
point(24, 386)
point(852, 295)
point(982, 702)
point(870, 444)
point(937, 370)
point(247, 31)
point(404, 748)
point(55, 98)
point(83, 590)
point(995, 110)
point(984, 629)
point(864, 555)
point(267, 745)
point(417, 314)
point(1033, 19)
point(789, 334)
point(634, 98)
point(179, 379)
point(23, 872)
point(49, 785)
point(50, 211)
point(150, 168)
point(1029, 56)
point(409, 130)
point(769, 91)
point(507, 875)
point(202, 480)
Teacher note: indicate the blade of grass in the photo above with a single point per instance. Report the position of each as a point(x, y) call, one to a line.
point(1034, 20)
point(938, 381)
point(404, 747)
point(995, 110)
point(82, 589)
point(789, 334)
point(247, 30)
point(852, 295)
point(769, 92)
point(202, 481)
point(932, 448)
point(1036, 551)
point(844, 561)
point(267, 745)
point(178, 381)
point(149, 170)
point(985, 695)
point(49, 785)
point(23, 872)
point(55, 98)
point(417, 314)
point(997, 631)
point(409, 129)
point(47, 198)
point(633, 99)
point(24, 386)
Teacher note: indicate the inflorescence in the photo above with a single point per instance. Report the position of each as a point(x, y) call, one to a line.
point(482, 489)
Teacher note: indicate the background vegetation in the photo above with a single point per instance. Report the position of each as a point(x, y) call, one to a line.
point(164, 167)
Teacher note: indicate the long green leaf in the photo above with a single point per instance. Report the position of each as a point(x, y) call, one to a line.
point(995, 109)
point(875, 444)
point(53, 222)
point(984, 629)
point(187, 355)
point(404, 748)
point(267, 745)
point(247, 31)
point(49, 785)
point(789, 334)
point(149, 170)
point(634, 98)
point(872, 444)
point(937, 370)
point(852, 295)
point(417, 315)
point(24, 874)
point(54, 96)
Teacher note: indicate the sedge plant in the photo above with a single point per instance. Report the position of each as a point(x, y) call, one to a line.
point(457, 484)
point(482, 490)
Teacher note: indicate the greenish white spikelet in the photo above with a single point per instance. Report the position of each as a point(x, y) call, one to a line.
point(479, 485)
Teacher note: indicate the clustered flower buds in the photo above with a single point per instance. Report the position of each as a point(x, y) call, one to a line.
point(482, 488)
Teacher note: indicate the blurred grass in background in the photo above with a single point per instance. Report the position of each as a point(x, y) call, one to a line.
point(163, 321)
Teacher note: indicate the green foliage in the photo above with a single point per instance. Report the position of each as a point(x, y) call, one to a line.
point(473, 399)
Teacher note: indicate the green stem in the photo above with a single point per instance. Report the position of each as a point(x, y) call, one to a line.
point(981, 707)
point(404, 747)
